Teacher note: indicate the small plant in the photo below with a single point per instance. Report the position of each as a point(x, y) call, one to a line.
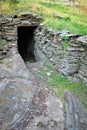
point(1, 62)
point(63, 52)
point(63, 36)
point(3, 42)
point(40, 124)
point(65, 44)
point(27, 62)
point(13, 1)
point(79, 62)
point(38, 75)
point(67, 19)
point(20, 76)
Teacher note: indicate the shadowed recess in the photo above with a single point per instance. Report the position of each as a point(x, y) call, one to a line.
point(26, 42)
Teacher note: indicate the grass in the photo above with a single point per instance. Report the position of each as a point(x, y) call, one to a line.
point(62, 84)
point(1, 62)
point(3, 42)
point(74, 19)
point(65, 44)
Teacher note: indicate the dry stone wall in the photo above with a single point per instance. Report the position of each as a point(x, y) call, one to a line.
point(8, 29)
point(68, 53)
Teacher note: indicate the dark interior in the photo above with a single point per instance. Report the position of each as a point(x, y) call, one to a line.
point(26, 42)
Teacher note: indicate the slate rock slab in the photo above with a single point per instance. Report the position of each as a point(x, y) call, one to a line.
point(76, 114)
point(16, 89)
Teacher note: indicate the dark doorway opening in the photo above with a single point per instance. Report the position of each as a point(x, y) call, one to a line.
point(26, 42)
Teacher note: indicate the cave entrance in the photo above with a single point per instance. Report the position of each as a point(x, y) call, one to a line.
point(26, 42)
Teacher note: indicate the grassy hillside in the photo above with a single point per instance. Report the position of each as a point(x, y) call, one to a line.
point(74, 19)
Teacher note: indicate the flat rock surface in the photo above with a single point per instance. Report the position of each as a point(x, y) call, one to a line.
point(15, 89)
point(76, 114)
point(82, 39)
point(25, 101)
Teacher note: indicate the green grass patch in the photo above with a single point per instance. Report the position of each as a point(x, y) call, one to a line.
point(1, 62)
point(63, 84)
point(3, 42)
point(65, 44)
point(27, 62)
point(73, 20)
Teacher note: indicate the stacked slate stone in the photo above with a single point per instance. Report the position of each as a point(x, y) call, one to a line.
point(65, 54)
point(9, 25)
point(8, 36)
point(83, 67)
point(4, 49)
point(29, 18)
point(43, 39)
point(72, 59)
point(8, 30)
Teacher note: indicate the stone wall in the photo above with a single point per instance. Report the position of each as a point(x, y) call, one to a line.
point(8, 30)
point(68, 53)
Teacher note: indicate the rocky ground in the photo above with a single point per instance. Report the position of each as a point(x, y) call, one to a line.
point(27, 103)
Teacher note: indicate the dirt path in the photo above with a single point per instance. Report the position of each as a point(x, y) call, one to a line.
point(45, 112)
